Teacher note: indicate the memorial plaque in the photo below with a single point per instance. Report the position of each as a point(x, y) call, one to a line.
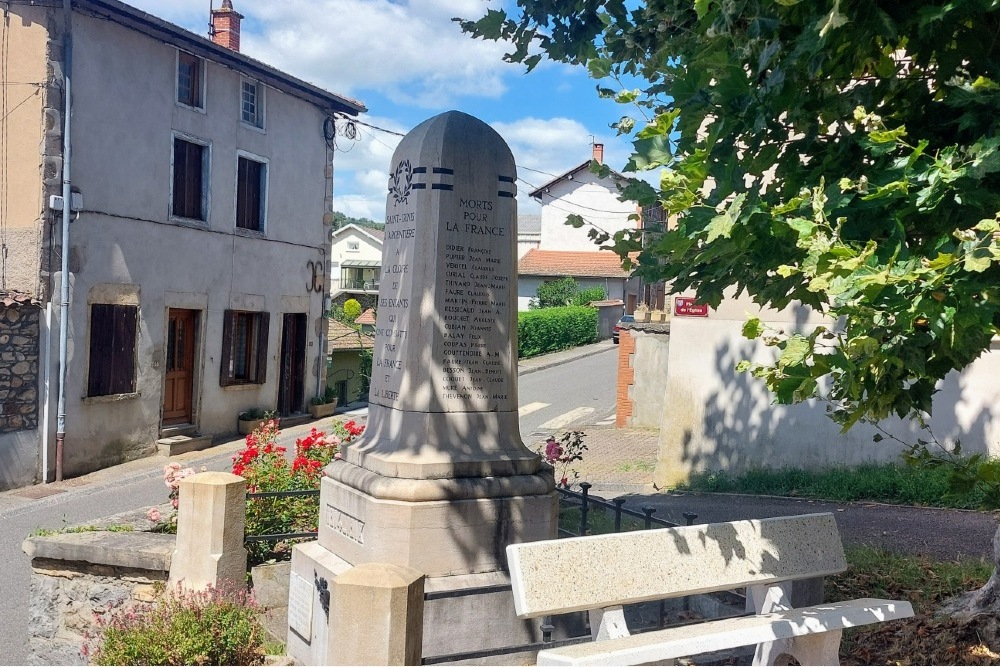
point(300, 605)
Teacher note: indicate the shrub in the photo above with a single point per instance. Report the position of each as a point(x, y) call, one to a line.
point(212, 627)
point(552, 329)
point(263, 465)
point(352, 309)
point(585, 296)
point(555, 293)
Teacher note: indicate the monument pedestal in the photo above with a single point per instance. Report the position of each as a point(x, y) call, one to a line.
point(453, 530)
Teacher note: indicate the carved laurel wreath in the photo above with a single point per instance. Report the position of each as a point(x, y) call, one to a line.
point(402, 181)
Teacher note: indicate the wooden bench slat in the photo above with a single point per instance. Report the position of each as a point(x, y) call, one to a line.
point(726, 633)
point(576, 574)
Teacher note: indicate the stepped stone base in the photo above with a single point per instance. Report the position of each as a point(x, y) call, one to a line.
point(181, 444)
point(438, 527)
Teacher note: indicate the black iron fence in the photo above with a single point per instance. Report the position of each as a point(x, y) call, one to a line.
point(277, 537)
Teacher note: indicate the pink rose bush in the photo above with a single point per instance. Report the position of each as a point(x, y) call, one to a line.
point(562, 453)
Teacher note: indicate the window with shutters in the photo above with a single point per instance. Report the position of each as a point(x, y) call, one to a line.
point(190, 80)
point(189, 187)
point(251, 187)
point(244, 347)
point(112, 349)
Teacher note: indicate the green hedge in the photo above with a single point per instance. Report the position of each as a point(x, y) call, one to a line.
point(551, 329)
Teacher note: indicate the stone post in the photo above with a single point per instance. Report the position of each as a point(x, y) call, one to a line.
point(376, 616)
point(210, 523)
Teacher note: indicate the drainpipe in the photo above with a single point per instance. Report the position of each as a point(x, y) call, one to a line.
point(321, 366)
point(66, 214)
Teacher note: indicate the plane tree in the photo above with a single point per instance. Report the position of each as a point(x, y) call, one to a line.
point(839, 153)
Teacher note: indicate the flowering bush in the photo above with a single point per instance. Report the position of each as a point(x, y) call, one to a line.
point(560, 454)
point(211, 627)
point(172, 476)
point(265, 466)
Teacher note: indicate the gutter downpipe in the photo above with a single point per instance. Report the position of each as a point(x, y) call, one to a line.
point(67, 196)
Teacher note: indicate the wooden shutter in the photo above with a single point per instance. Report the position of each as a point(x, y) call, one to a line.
point(249, 187)
point(225, 377)
point(263, 324)
point(188, 167)
point(101, 331)
point(113, 331)
point(123, 345)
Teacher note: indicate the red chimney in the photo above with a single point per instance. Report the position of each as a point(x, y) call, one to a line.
point(598, 152)
point(226, 26)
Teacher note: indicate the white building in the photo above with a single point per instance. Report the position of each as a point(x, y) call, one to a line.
point(563, 250)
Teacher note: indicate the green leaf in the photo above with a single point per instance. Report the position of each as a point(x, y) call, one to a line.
point(575, 220)
point(797, 348)
point(753, 328)
point(743, 366)
point(987, 225)
point(701, 8)
point(978, 260)
point(599, 67)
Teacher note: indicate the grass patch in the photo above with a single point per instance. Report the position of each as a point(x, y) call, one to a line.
point(600, 520)
point(921, 640)
point(112, 528)
point(888, 483)
point(636, 466)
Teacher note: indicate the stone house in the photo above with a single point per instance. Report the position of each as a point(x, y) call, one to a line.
point(562, 250)
point(345, 367)
point(201, 181)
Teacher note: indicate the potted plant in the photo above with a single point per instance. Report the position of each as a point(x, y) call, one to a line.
point(253, 418)
point(642, 313)
point(323, 406)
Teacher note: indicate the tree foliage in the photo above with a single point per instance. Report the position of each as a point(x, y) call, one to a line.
point(342, 220)
point(836, 152)
point(564, 292)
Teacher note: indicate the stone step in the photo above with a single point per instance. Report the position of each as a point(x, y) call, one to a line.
point(178, 429)
point(181, 444)
point(295, 419)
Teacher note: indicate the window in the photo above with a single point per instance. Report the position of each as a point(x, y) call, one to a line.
point(112, 349)
point(353, 245)
point(252, 103)
point(190, 194)
point(190, 79)
point(244, 348)
point(251, 181)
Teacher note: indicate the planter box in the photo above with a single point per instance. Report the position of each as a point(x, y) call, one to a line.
point(324, 410)
point(248, 425)
point(642, 316)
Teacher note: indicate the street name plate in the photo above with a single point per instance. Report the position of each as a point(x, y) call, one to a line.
point(301, 593)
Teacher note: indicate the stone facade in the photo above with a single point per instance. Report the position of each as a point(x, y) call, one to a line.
point(19, 334)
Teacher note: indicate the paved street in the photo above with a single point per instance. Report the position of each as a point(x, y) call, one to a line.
point(549, 385)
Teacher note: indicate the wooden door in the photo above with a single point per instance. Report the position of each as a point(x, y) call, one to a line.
point(291, 388)
point(179, 384)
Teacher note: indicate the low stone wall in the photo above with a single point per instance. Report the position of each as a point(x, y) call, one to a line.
point(76, 576)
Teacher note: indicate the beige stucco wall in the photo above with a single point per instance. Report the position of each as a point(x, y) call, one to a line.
point(23, 75)
point(717, 419)
point(123, 122)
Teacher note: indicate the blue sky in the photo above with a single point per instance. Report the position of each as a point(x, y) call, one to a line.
point(407, 61)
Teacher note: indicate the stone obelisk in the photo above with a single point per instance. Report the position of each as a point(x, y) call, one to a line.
point(440, 481)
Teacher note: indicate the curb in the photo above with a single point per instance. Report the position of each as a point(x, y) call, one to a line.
point(578, 353)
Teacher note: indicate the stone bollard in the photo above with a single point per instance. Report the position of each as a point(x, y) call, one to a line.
point(210, 523)
point(376, 616)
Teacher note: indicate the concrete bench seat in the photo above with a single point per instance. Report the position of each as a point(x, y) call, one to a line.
point(601, 573)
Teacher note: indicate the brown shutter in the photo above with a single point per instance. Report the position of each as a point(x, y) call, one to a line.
point(123, 349)
point(225, 378)
point(263, 324)
point(101, 331)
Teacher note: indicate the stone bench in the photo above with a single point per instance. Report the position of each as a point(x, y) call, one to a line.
point(601, 573)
